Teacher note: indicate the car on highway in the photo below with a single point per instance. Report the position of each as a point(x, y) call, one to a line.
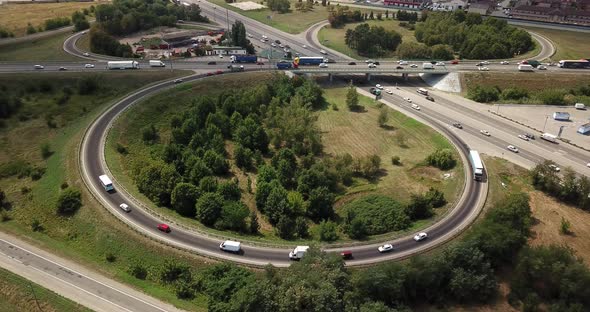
point(407, 99)
point(262, 40)
point(420, 236)
point(278, 41)
point(259, 63)
point(523, 137)
point(372, 65)
point(210, 74)
point(430, 98)
point(281, 46)
point(385, 248)
point(212, 63)
point(62, 68)
point(455, 62)
point(402, 62)
point(351, 63)
point(89, 66)
point(388, 91)
point(554, 167)
point(588, 165)
point(485, 63)
point(512, 148)
point(304, 46)
point(177, 80)
point(378, 86)
point(530, 136)
point(164, 228)
point(125, 207)
point(347, 254)
point(273, 45)
point(323, 65)
point(484, 68)
point(249, 35)
point(220, 55)
point(542, 67)
point(484, 132)
point(369, 61)
point(39, 67)
point(399, 67)
point(219, 72)
point(415, 106)
point(457, 125)
point(414, 66)
point(323, 52)
point(86, 54)
point(440, 64)
point(504, 63)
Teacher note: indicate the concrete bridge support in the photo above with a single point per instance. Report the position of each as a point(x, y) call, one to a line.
point(331, 77)
point(405, 76)
point(368, 77)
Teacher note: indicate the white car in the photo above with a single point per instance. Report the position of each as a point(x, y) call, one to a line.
point(249, 35)
point(86, 54)
point(401, 62)
point(588, 165)
point(408, 99)
point(220, 55)
point(323, 65)
point(323, 52)
point(485, 63)
point(177, 80)
point(372, 65)
point(281, 45)
point(388, 91)
point(554, 167)
point(89, 66)
point(273, 45)
point(440, 64)
point(523, 137)
point(378, 86)
point(39, 67)
point(414, 66)
point(512, 148)
point(416, 107)
point(304, 46)
point(504, 63)
point(369, 61)
point(484, 68)
point(385, 248)
point(420, 236)
point(542, 67)
point(124, 207)
point(484, 132)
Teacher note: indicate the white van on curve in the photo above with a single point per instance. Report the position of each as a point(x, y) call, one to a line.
point(230, 246)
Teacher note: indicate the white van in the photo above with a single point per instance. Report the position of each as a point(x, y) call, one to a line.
point(230, 246)
point(549, 137)
point(580, 106)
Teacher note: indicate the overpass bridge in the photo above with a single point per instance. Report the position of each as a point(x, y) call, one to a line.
point(333, 70)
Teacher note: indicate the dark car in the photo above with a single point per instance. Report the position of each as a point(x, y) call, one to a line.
point(62, 68)
point(219, 72)
point(430, 98)
point(376, 63)
point(259, 63)
point(457, 125)
point(210, 74)
point(277, 41)
point(347, 254)
point(399, 67)
point(212, 63)
point(352, 63)
point(530, 136)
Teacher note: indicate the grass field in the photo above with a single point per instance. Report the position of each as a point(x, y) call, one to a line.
point(92, 233)
point(569, 45)
point(46, 49)
point(536, 81)
point(354, 133)
point(16, 17)
point(18, 294)
point(335, 36)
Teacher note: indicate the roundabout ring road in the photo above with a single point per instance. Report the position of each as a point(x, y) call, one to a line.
point(93, 164)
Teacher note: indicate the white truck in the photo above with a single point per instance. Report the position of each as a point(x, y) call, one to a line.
point(580, 106)
point(298, 252)
point(422, 91)
point(427, 66)
point(525, 68)
point(123, 65)
point(549, 137)
point(230, 246)
point(157, 63)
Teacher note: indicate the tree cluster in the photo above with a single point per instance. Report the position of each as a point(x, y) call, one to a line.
point(239, 37)
point(69, 201)
point(57, 22)
point(547, 96)
point(103, 43)
point(442, 159)
point(569, 188)
point(79, 21)
point(9, 103)
point(471, 36)
point(5, 33)
point(372, 41)
point(403, 15)
point(281, 6)
point(341, 15)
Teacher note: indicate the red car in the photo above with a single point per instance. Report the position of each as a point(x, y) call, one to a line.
point(454, 62)
point(210, 74)
point(164, 228)
point(347, 254)
point(259, 63)
point(219, 72)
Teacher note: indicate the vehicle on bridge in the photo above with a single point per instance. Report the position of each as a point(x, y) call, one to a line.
point(157, 63)
point(581, 64)
point(244, 58)
point(123, 65)
point(427, 66)
point(422, 91)
point(284, 65)
point(106, 183)
point(476, 164)
point(308, 60)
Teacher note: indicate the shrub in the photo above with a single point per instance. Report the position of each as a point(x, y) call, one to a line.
point(514, 94)
point(484, 94)
point(36, 173)
point(395, 160)
point(565, 227)
point(149, 134)
point(46, 150)
point(64, 185)
point(69, 201)
point(138, 271)
point(110, 257)
point(121, 149)
point(379, 214)
point(442, 159)
point(327, 231)
point(36, 226)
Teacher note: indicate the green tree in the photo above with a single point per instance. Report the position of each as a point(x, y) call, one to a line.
point(442, 159)
point(230, 190)
point(383, 117)
point(157, 181)
point(254, 225)
point(320, 204)
point(233, 216)
point(352, 97)
point(565, 227)
point(419, 207)
point(149, 134)
point(69, 201)
point(327, 231)
point(209, 208)
point(184, 197)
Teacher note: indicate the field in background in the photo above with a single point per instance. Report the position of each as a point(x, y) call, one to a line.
point(16, 17)
point(19, 294)
point(533, 81)
point(569, 45)
point(91, 234)
point(333, 38)
point(45, 49)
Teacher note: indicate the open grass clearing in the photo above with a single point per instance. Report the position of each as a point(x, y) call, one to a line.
point(16, 16)
point(92, 233)
point(333, 38)
point(19, 294)
point(569, 45)
point(397, 182)
point(43, 49)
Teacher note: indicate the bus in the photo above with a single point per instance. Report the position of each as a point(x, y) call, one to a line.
point(422, 91)
point(476, 164)
point(106, 183)
point(574, 64)
point(310, 60)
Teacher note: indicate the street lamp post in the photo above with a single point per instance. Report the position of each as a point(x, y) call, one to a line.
point(214, 10)
point(546, 118)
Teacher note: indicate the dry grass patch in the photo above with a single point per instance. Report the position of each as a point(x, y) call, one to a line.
point(16, 17)
point(530, 81)
point(569, 45)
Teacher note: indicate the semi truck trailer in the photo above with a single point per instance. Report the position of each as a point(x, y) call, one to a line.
point(123, 65)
